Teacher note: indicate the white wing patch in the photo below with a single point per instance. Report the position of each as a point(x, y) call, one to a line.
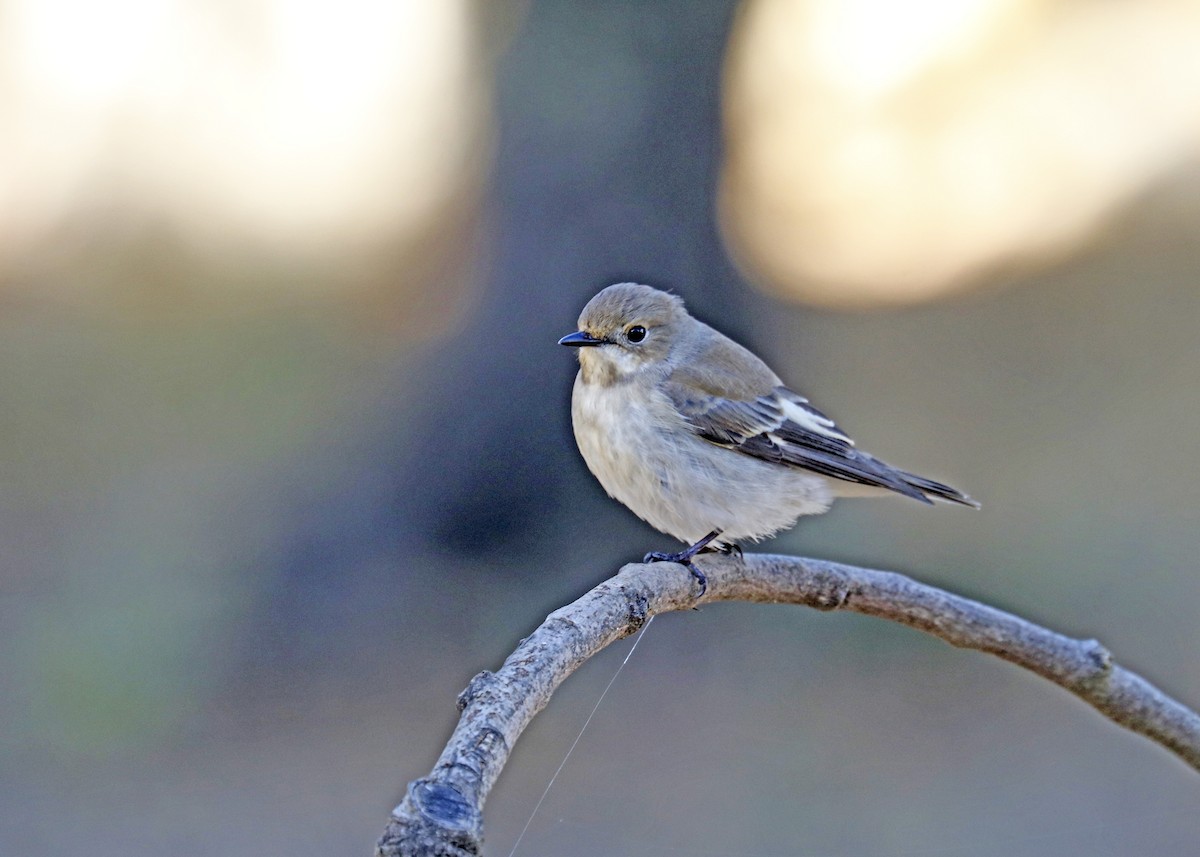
point(798, 411)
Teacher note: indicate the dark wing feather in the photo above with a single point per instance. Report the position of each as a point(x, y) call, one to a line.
point(781, 426)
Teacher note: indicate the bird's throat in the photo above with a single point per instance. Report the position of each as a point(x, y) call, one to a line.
point(597, 369)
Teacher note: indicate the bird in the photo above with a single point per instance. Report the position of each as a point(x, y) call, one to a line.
point(698, 437)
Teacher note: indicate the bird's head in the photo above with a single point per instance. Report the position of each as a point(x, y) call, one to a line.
point(625, 329)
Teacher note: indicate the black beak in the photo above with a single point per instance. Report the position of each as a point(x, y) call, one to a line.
point(580, 338)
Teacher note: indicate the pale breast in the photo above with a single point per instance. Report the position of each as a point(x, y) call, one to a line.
point(645, 456)
point(624, 444)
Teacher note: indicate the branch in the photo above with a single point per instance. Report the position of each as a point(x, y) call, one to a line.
point(442, 813)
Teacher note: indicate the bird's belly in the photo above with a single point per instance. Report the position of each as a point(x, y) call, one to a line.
point(648, 459)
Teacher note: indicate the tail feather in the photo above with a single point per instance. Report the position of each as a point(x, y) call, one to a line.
point(937, 490)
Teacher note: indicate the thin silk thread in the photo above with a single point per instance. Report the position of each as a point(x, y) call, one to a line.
point(571, 749)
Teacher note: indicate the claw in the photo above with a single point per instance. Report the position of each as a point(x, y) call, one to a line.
point(659, 556)
point(684, 558)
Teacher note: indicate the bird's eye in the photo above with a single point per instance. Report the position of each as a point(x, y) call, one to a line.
point(636, 333)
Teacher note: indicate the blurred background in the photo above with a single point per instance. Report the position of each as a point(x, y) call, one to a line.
point(284, 437)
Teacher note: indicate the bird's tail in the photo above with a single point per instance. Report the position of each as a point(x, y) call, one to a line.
point(928, 488)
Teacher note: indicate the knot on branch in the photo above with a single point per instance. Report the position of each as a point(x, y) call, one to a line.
point(474, 687)
point(637, 607)
point(1099, 655)
point(434, 818)
point(442, 804)
point(1098, 663)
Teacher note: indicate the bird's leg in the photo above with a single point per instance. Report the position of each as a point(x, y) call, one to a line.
point(684, 558)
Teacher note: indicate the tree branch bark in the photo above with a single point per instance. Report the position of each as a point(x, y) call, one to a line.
point(441, 814)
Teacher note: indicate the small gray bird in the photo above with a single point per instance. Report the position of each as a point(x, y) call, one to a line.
point(699, 438)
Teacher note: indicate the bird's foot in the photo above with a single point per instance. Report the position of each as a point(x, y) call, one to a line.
point(731, 550)
point(684, 558)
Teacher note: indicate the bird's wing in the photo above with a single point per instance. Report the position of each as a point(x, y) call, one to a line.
point(783, 427)
point(739, 403)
